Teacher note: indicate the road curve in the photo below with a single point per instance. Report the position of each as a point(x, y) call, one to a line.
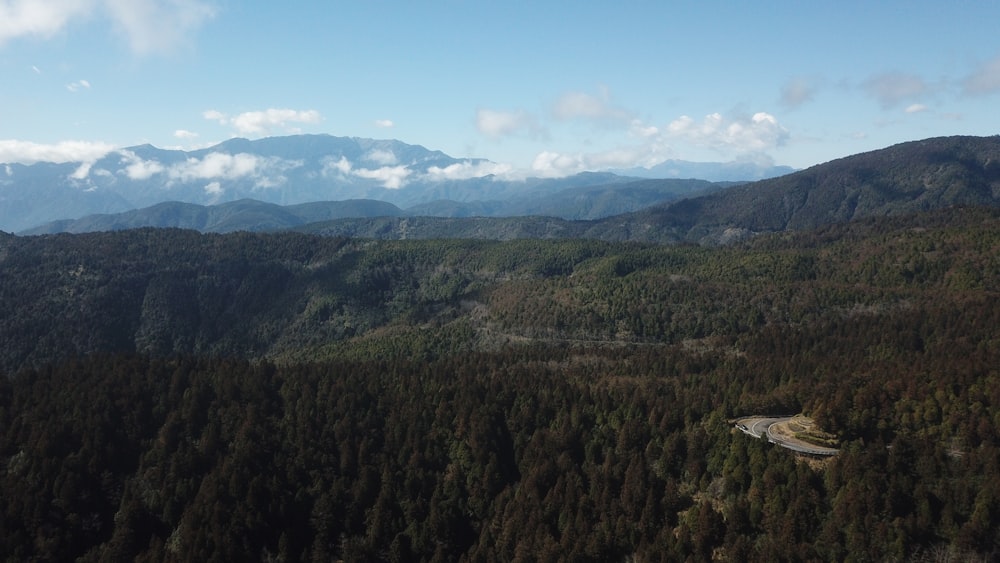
point(758, 426)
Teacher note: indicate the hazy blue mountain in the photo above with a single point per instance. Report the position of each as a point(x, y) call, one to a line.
point(241, 215)
point(292, 170)
point(589, 202)
point(280, 170)
point(736, 171)
point(576, 202)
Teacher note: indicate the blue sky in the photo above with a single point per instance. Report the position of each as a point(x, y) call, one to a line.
point(541, 88)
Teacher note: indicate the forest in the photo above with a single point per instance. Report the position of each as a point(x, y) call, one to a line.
point(167, 395)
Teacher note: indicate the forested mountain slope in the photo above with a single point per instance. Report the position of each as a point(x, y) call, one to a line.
point(902, 179)
point(240, 215)
point(173, 396)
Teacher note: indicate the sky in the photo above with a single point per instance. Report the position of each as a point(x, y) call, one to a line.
point(541, 88)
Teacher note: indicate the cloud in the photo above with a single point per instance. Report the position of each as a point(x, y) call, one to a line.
point(81, 171)
point(758, 133)
point(384, 123)
point(916, 108)
point(265, 172)
point(496, 124)
point(138, 169)
point(78, 85)
point(216, 165)
point(984, 80)
point(639, 129)
point(262, 122)
point(43, 18)
point(381, 156)
point(580, 105)
point(392, 177)
point(214, 115)
point(149, 25)
point(27, 152)
point(551, 164)
point(342, 166)
point(893, 88)
point(158, 25)
point(468, 169)
point(185, 134)
point(797, 92)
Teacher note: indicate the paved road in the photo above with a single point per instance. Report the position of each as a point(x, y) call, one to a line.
point(758, 426)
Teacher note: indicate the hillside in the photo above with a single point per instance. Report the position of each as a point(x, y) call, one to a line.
point(241, 215)
point(903, 179)
point(176, 396)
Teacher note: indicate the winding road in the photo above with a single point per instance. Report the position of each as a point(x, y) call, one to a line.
point(777, 432)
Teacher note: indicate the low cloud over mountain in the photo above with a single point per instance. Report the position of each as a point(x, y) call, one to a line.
point(84, 180)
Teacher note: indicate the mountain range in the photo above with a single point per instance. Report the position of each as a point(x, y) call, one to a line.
point(901, 179)
point(298, 169)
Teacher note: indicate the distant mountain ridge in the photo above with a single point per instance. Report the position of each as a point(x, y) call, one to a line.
point(241, 215)
point(905, 178)
point(737, 171)
point(284, 171)
point(902, 179)
point(589, 202)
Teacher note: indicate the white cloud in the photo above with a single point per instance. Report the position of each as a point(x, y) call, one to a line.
point(42, 18)
point(216, 165)
point(82, 171)
point(185, 134)
point(392, 177)
point(254, 122)
point(78, 85)
point(384, 123)
point(139, 169)
point(27, 152)
point(214, 115)
point(496, 124)
point(342, 166)
point(639, 129)
point(265, 172)
point(550, 164)
point(149, 25)
point(262, 122)
point(214, 188)
point(758, 133)
point(158, 25)
point(893, 88)
point(916, 108)
point(468, 169)
point(984, 80)
point(381, 156)
point(580, 105)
